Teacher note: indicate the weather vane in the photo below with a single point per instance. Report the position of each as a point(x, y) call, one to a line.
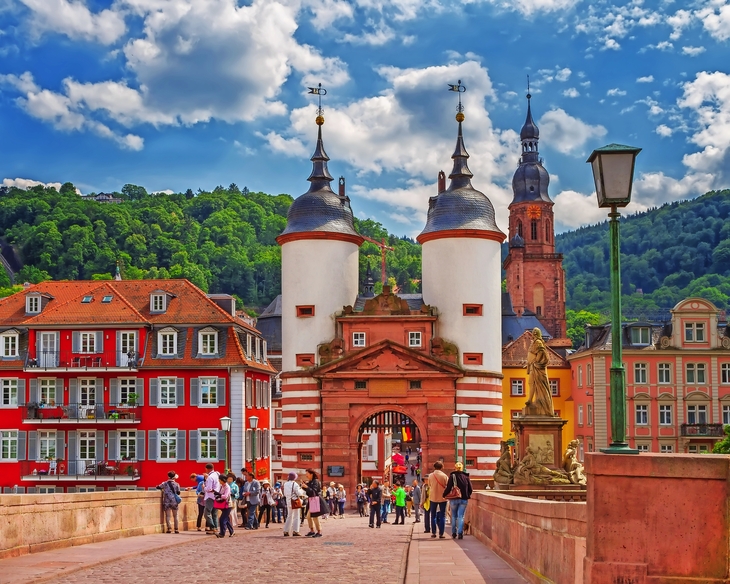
point(458, 88)
point(319, 91)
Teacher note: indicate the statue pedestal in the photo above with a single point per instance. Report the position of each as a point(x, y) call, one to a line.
point(544, 434)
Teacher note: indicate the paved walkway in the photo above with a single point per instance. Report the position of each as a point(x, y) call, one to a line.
point(349, 552)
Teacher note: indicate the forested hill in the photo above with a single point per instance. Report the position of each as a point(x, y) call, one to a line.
point(668, 253)
point(223, 241)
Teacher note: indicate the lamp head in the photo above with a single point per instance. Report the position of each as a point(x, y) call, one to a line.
point(253, 421)
point(226, 423)
point(455, 418)
point(613, 174)
point(464, 421)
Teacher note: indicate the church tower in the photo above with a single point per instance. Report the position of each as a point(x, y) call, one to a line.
point(461, 246)
point(535, 277)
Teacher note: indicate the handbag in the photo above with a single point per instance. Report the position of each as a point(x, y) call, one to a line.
point(454, 493)
point(314, 504)
point(178, 499)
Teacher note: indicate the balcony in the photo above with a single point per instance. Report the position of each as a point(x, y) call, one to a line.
point(114, 414)
point(55, 361)
point(701, 430)
point(80, 470)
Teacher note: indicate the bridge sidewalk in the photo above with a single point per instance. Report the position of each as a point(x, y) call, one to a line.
point(452, 561)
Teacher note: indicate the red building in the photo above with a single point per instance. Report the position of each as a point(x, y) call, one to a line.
point(109, 385)
point(677, 381)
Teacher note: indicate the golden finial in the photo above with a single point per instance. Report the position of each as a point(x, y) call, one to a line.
point(320, 91)
point(460, 117)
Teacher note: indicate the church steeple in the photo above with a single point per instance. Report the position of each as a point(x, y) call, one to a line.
point(530, 135)
point(531, 180)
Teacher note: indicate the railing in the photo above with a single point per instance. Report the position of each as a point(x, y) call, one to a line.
point(72, 361)
point(81, 412)
point(703, 430)
point(44, 470)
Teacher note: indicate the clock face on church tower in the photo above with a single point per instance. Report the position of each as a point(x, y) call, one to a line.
point(534, 212)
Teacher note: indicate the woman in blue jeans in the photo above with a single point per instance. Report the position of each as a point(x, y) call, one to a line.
point(458, 480)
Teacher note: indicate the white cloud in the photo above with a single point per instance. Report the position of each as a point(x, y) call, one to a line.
point(693, 51)
point(615, 91)
point(716, 21)
point(566, 133)
point(610, 44)
point(378, 34)
point(647, 79)
point(563, 74)
point(75, 20)
point(664, 131)
point(26, 183)
point(679, 21)
point(573, 209)
point(178, 68)
point(164, 192)
point(708, 98)
point(289, 147)
point(327, 12)
point(571, 92)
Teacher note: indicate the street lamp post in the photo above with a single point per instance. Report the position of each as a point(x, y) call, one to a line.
point(456, 418)
point(226, 427)
point(613, 174)
point(464, 421)
point(253, 421)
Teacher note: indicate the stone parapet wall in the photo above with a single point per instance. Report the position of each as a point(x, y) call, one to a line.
point(543, 540)
point(34, 523)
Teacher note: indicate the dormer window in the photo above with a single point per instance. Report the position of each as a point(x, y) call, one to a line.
point(640, 335)
point(9, 344)
point(158, 302)
point(33, 304)
point(208, 342)
point(694, 332)
point(87, 299)
point(167, 343)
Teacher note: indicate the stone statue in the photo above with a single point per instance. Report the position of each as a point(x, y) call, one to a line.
point(530, 472)
point(540, 398)
point(575, 470)
point(504, 472)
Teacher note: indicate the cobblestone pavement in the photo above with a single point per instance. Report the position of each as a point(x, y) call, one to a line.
point(348, 552)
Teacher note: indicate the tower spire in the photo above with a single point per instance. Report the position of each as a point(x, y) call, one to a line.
point(320, 176)
point(460, 174)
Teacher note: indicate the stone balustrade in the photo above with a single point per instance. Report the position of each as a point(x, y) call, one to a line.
point(33, 523)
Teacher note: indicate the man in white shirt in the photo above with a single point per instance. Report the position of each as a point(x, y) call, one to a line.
point(210, 489)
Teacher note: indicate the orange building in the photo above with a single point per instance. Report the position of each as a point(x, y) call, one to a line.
point(677, 381)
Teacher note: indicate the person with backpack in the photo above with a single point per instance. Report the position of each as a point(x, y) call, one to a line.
point(361, 500)
point(437, 484)
point(170, 499)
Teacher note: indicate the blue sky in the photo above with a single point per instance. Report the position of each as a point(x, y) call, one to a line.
point(177, 94)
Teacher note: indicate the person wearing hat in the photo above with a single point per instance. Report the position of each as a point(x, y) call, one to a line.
point(331, 497)
point(267, 501)
point(461, 485)
point(291, 491)
point(170, 497)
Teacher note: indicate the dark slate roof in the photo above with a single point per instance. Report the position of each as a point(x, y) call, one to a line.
point(460, 206)
point(269, 325)
point(414, 301)
point(517, 241)
point(530, 181)
point(514, 326)
point(320, 209)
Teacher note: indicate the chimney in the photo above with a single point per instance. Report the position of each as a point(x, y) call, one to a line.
point(342, 186)
point(442, 181)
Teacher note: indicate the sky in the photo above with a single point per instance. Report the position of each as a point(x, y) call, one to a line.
point(178, 94)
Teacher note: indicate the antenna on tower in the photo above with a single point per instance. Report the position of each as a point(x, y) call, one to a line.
point(528, 87)
point(318, 91)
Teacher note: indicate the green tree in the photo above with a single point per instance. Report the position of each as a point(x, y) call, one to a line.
point(576, 323)
point(723, 446)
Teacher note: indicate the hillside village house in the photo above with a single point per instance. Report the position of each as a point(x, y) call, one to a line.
point(109, 385)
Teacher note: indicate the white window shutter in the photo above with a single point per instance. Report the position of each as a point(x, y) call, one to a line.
point(118, 359)
point(100, 445)
point(60, 445)
point(76, 342)
point(220, 450)
point(33, 453)
point(139, 390)
point(99, 342)
point(152, 450)
point(113, 446)
point(139, 446)
point(114, 394)
point(73, 391)
point(59, 391)
point(21, 392)
point(73, 452)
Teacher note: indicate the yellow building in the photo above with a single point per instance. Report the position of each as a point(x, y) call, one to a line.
point(514, 385)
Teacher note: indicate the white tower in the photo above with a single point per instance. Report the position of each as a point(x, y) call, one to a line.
point(319, 265)
point(461, 267)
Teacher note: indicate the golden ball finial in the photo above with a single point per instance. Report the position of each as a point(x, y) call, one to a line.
point(319, 120)
point(460, 117)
